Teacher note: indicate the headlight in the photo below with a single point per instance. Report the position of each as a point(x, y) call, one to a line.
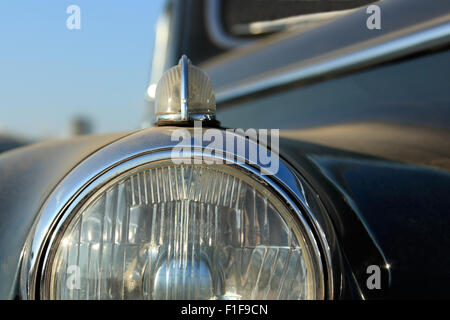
point(165, 231)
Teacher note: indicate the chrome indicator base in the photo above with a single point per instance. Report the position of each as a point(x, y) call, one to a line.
point(208, 120)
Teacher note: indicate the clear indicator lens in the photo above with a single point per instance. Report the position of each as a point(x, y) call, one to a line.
point(201, 97)
point(163, 231)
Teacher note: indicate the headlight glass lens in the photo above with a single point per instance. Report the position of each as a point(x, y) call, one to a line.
point(165, 231)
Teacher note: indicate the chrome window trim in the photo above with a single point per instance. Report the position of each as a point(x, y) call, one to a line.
point(301, 22)
point(134, 150)
point(225, 40)
point(215, 29)
point(342, 61)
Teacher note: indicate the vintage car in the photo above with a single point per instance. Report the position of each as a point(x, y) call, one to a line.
point(347, 198)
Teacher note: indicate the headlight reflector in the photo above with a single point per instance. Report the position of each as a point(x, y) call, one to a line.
point(165, 231)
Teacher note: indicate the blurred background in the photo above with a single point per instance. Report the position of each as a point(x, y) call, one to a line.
point(56, 82)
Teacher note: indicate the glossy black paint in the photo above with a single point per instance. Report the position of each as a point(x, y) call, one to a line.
point(375, 145)
point(384, 210)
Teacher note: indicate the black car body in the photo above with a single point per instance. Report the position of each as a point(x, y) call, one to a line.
point(364, 119)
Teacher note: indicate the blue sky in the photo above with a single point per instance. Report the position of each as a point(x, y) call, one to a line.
point(49, 74)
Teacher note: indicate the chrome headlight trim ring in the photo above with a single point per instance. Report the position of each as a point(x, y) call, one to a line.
point(133, 151)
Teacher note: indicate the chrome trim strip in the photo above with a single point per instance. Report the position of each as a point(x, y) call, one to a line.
point(184, 88)
point(304, 21)
point(139, 148)
point(345, 60)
